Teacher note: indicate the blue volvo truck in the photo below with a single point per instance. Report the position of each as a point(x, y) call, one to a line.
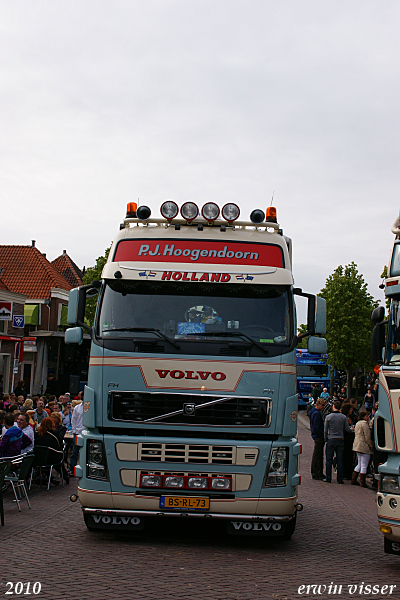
point(191, 404)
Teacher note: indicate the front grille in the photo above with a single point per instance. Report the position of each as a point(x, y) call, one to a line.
point(187, 409)
point(186, 453)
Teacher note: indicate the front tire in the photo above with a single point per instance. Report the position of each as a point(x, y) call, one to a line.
point(290, 526)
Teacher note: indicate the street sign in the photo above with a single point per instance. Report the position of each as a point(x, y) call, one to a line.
point(6, 311)
point(18, 321)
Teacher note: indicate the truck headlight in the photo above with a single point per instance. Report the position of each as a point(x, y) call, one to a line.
point(277, 469)
point(96, 466)
point(390, 484)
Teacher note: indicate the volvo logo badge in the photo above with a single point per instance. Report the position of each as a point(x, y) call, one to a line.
point(189, 408)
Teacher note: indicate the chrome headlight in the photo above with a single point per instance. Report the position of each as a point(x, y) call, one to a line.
point(390, 483)
point(96, 467)
point(277, 468)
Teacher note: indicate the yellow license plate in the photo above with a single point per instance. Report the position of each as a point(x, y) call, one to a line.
point(180, 502)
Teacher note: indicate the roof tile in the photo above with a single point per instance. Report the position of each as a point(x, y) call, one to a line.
point(26, 270)
point(68, 269)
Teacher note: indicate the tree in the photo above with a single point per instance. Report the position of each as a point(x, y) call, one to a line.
point(348, 319)
point(92, 274)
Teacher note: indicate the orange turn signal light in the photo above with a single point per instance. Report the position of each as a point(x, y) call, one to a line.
point(271, 214)
point(376, 369)
point(131, 209)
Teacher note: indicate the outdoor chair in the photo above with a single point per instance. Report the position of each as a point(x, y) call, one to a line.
point(4, 468)
point(17, 480)
point(45, 459)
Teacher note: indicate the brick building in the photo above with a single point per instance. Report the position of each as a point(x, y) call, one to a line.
point(11, 304)
point(45, 286)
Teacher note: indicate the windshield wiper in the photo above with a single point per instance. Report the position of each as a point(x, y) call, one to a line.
point(147, 330)
point(230, 334)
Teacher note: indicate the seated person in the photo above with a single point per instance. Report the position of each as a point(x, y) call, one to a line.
point(46, 436)
point(14, 440)
point(23, 424)
point(59, 428)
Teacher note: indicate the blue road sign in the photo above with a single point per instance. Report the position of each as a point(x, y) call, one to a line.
point(18, 321)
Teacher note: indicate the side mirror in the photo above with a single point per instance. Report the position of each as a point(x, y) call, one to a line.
point(77, 302)
point(378, 342)
point(320, 315)
point(316, 313)
point(74, 335)
point(76, 306)
point(317, 345)
point(378, 314)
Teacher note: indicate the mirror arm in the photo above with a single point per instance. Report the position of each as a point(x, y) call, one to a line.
point(303, 335)
point(87, 327)
point(310, 311)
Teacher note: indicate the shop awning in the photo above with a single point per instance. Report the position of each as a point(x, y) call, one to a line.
point(31, 312)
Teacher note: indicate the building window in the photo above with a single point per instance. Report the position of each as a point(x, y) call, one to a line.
point(3, 327)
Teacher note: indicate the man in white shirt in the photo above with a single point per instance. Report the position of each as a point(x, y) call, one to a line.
point(23, 423)
point(77, 427)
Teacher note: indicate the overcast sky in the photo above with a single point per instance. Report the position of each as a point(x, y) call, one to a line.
point(210, 100)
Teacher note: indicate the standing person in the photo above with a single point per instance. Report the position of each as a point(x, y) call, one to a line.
point(324, 393)
point(317, 391)
point(369, 400)
point(375, 391)
point(354, 414)
point(335, 426)
point(342, 395)
point(77, 428)
point(317, 434)
point(20, 390)
point(348, 464)
point(364, 447)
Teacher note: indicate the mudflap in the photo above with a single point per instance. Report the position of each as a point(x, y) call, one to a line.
point(256, 528)
point(113, 522)
point(392, 547)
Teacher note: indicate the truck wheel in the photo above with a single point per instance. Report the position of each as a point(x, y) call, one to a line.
point(289, 529)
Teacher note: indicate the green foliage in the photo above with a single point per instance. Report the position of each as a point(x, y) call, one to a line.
point(91, 274)
point(349, 327)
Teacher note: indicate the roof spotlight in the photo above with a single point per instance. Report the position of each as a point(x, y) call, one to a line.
point(143, 213)
point(230, 212)
point(169, 210)
point(210, 211)
point(257, 216)
point(189, 211)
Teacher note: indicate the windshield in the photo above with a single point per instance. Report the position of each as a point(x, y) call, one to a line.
point(195, 312)
point(312, 370)
point(393, 334)
point(395, 264)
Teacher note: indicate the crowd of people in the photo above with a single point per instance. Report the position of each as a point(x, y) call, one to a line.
point(344, 428)
point(44, 421)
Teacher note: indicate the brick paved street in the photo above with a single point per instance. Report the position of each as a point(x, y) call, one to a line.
point(337, 540)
